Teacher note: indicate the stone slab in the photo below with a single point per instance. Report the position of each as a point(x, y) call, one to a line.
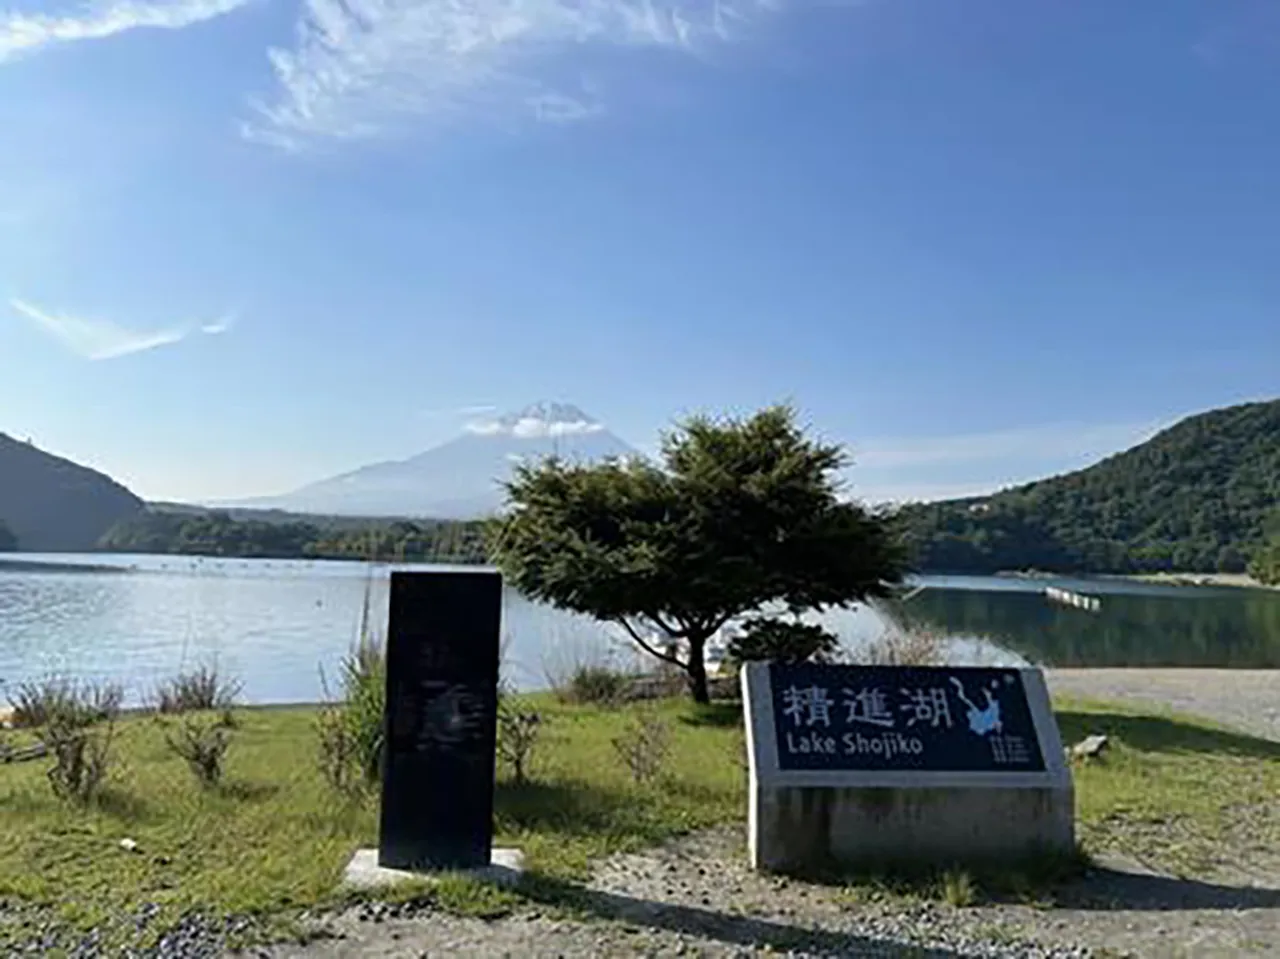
point(869, 808)
point(506, 866)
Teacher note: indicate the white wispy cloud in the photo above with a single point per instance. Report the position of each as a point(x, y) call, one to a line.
point(451, 412)
point(97, 339)
point(1050, 440)
point(979, 464)
point(531, 427)
point(24, 33)
point(360, 66)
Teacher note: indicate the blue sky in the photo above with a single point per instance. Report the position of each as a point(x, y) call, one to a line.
point(245, 244)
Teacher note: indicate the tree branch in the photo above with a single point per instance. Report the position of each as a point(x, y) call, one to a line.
point(667, 627)
point(675, 661)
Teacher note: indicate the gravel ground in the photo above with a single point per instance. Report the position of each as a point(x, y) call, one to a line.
point(1248, 699)
point(696, 897)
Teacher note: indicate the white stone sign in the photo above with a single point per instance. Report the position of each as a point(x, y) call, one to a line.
point(870, 766)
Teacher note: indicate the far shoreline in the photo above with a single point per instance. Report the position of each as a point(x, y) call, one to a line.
point(1234, 580)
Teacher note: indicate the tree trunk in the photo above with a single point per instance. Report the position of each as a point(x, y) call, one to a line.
point(697, 669)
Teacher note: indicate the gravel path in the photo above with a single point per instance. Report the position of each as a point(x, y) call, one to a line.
point(1248, 699)
point(696, 897)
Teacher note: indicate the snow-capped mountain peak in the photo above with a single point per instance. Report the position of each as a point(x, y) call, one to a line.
point(463, 477)
point(539, 420)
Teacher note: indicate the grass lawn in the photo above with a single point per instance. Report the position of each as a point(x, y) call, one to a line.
point(272, 840)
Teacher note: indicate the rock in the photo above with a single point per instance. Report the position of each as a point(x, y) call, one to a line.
point(1090, 747)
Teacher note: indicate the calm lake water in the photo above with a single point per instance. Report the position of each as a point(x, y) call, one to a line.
point(277, 624)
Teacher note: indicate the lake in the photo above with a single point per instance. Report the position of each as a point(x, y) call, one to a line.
point(277, 624)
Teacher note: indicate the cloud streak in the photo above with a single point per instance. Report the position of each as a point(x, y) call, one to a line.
point(1051, 440)
point(29, 33)
point(95, 339)
point(360, 67)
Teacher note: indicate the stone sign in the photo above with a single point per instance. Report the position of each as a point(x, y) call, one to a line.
point(969, 720)
point(441, 720)
point(866, 764)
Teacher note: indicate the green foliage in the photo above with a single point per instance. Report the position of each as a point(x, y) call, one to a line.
point(54, 505)
point(644, 746)
point(221, 534)
point(1192, 499)
point(351, 731)
point(202, 743)
point(203, 688)
point(1265, 566)
point(519, 726)
point(780, 641)
point(8, 541)
point(596, 684)
point(58, 699)
point(77, 727)
point(741, 514)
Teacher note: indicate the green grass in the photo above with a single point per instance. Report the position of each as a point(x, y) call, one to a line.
point(1184, 795)
point(272, 840)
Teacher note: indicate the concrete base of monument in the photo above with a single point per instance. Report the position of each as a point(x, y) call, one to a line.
point(506, 866)
point(799, 829)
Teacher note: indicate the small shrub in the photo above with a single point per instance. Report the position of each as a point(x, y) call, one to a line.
point(779, 641)
point(200, 690)
point(202, 742)
point(350, 732)
point(337, 756)
point(957, 888)
point(364, 687)
point(595, 685)
point(905, 646)
point(644, 746)
point(36, 703)
point(518, 729)
point(79, 733)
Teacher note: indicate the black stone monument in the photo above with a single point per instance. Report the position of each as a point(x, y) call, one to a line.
point(441, 720)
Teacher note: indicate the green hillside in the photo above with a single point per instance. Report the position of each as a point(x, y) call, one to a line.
point(50, 504)
point(1198, 497)
point(192, 530)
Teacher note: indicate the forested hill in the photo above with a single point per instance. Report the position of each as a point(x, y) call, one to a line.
point(50, 504)
point(279, 535)
point(1197, 497)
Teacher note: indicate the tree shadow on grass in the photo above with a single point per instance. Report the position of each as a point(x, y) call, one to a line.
point(247, 791)
point(745, 931)
point(718, 715)
point(573, 808)
point(1164, 735)
point(124, 805)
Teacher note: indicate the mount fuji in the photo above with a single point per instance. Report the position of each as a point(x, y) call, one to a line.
point(460, 479)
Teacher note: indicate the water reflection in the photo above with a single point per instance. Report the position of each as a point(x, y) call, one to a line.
point(1170, 627)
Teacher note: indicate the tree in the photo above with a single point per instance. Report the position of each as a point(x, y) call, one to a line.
point(741, 514)
point(8, 541)
point(1265, 567)
point(779, 641)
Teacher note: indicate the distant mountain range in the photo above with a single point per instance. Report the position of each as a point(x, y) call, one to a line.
point(459, 479)
point(1197, 497)
point(54, 505)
